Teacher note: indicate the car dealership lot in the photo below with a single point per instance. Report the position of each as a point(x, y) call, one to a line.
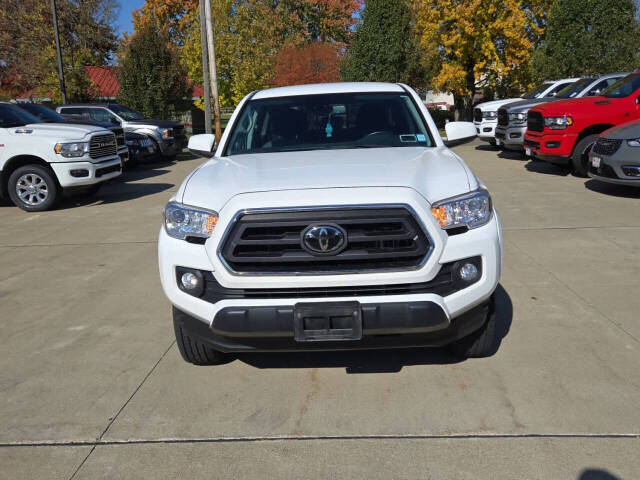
point(92, 384)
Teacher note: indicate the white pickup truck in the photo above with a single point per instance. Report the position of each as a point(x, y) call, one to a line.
point(41, 161)
point(331, 217)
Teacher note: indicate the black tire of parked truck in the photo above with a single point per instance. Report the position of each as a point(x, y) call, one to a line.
point(39, 190)
point(482, 342)
point(580, 157)
point(193, 350)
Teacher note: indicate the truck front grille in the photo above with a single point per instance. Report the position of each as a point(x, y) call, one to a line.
point(385, 238)
point(605, 146)
point(535, 121)
point(477, 115)
point(102, 145)
point(503, 117)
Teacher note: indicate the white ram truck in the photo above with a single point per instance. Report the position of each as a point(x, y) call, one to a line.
point(41, 161)
point(331, 217)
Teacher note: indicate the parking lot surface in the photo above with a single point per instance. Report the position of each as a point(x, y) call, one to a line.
point(92, 384)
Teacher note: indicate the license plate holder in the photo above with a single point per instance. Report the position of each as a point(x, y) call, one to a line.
point(595, 161)
point(498, 142)
point(527, 151)
point(327, 322)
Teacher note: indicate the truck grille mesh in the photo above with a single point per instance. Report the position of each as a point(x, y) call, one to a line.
point(102, 145)
point(377, 239)
point(503, 117)
point(535, 121)
point(605, 146)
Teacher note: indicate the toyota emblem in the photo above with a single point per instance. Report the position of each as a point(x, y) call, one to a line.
point(324, 239)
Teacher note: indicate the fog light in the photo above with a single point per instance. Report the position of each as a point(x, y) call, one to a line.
point(468, 272)
point(190, 281)
point(79, 173)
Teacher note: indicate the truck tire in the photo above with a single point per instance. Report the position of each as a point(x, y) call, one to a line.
point(33, 188)
point(480, 343)
point(580, 156)
point(193, 350)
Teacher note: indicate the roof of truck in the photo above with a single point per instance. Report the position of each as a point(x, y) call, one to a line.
point(322, 88)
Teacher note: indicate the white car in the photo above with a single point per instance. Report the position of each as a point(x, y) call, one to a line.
point(331, 217)
point(41, 161)
point(485, 115)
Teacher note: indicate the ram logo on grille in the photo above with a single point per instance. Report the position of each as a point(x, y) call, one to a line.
point(102, 145)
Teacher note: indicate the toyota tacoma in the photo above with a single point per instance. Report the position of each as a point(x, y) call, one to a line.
point(331, 217)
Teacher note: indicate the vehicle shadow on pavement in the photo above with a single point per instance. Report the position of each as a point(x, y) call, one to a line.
point(379, 361)
point(512, 155)
point(487, 147)
point(597, 474)
point(614, 190)
point(538, 166)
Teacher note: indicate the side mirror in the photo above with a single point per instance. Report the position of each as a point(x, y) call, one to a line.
point(593, 93)
point(202, 145)
point(115, 121)
point(459, 132)
point(638, 101)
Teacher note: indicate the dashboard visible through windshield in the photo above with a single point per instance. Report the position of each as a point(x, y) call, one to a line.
point(328, 121)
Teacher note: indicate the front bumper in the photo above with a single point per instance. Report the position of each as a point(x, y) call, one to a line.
point(621, 168)
point(484, 242)
point(172, 146)
point(486, 130)
point(551, 147)
point(92, 173)
point(511, 137)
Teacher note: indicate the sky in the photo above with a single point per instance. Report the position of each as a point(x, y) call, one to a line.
point(124, 19)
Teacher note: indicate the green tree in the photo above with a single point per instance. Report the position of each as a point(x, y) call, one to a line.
point(384, 46)
point(152, 79)
point(588, 37)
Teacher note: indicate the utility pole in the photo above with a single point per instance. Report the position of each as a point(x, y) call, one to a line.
point(59, 52)
point(205, 69)
point(212, 69)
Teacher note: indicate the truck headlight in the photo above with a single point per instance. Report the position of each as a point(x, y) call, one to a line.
point(470, 210)
point(71, 150)
point(558, 123)
point(166, 132)
point(634, 143)
point(490, 115)
point(518, 118)
point(181, 221)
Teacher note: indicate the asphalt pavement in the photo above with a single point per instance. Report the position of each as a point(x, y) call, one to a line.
point(92, 384)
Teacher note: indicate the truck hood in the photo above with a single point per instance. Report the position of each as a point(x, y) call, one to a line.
point(495, 104)
point(575, 106)
point(435, 172)
point(525, 105)
point(57, 131)
point(154, 123)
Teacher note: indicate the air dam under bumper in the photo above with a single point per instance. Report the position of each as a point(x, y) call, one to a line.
point(385, 325)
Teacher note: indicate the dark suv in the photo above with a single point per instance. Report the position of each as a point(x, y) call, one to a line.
point(167, 136)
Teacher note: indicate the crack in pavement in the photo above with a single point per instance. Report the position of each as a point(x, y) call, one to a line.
point(299, 438)
point(99, 440)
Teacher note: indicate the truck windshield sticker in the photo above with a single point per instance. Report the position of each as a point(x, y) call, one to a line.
point(408, 138)
point(421, 137)
point(329, 130)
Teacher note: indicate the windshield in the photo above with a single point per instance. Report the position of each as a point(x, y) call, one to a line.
point(126, 113)
point(574, 89)
point(11, 116)
point(329, 121)
point(536, 92)
point(623, 87)
point(43, 113)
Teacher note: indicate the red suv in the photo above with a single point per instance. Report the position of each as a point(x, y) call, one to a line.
point(564, 132)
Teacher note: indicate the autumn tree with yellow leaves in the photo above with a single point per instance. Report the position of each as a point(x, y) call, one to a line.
point(472, 45)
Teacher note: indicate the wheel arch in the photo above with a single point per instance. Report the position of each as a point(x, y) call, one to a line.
point(20, 161)
point(593, 130)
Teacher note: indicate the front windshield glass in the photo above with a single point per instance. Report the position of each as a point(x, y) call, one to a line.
point(11, 116)
point(574, 89)
point(536, 92)
point(43, 113)
point(126, 113)
point(623, 87)
point(328, 122)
